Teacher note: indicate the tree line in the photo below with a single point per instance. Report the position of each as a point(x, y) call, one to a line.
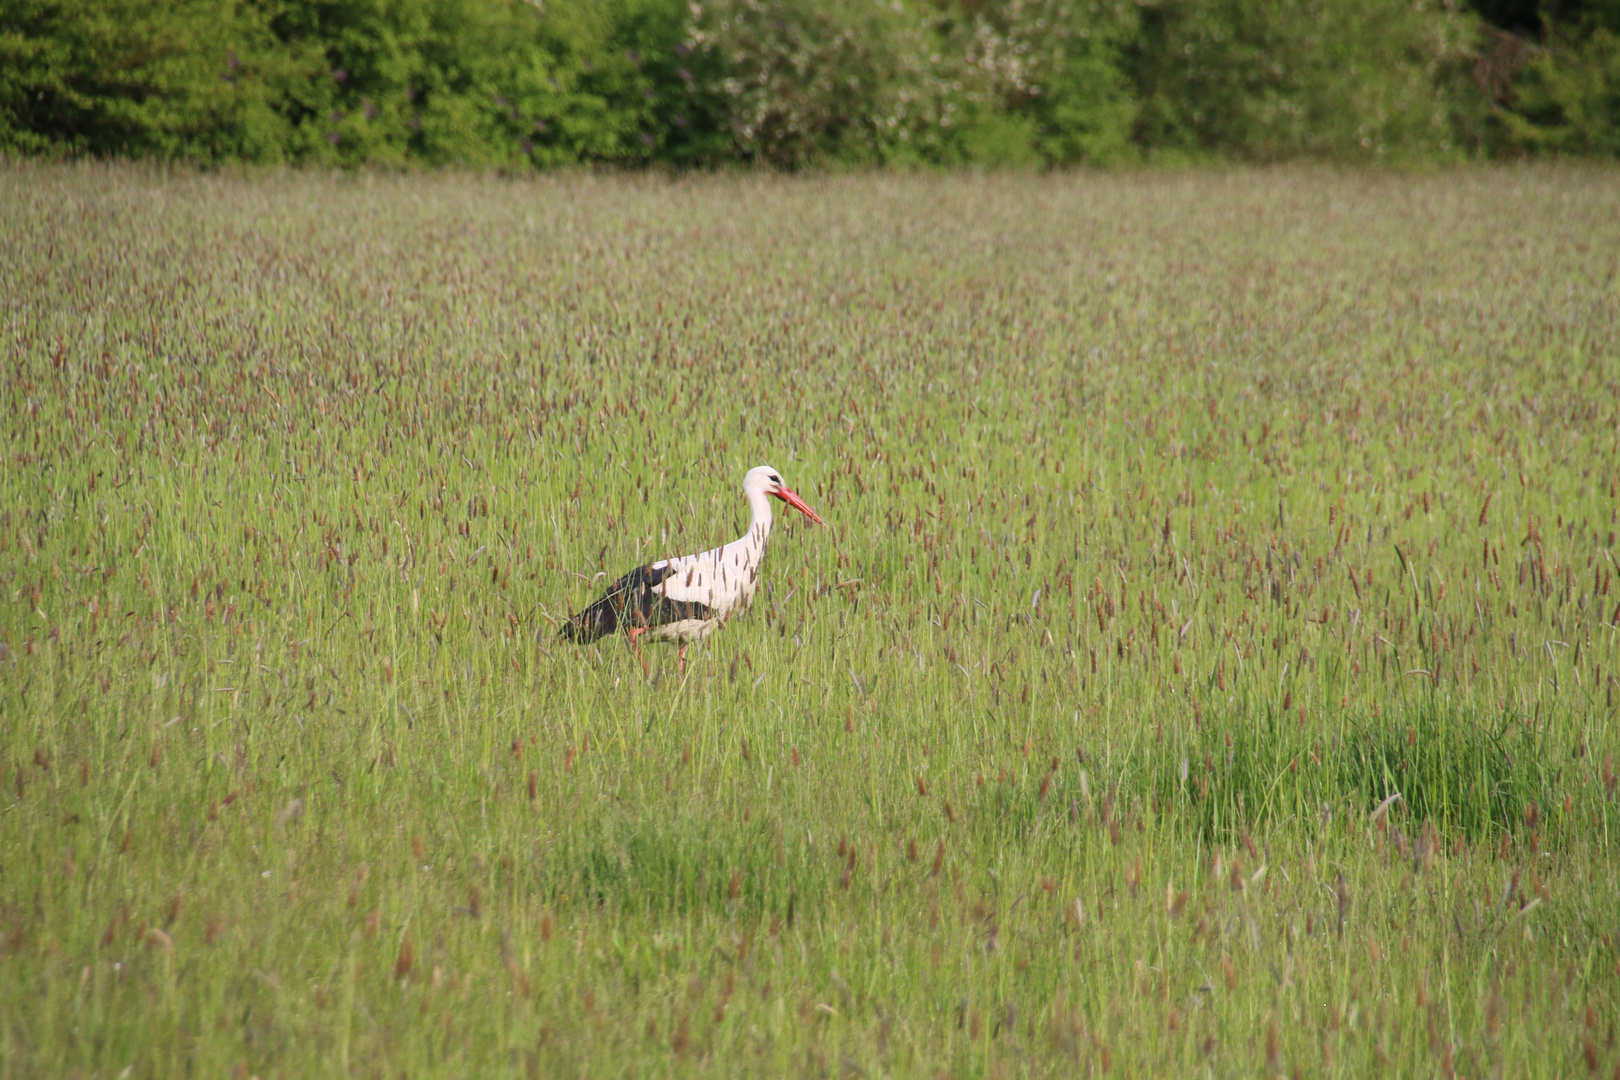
point(516, 84)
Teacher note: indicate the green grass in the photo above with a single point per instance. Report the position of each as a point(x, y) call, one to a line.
point(1176, 522)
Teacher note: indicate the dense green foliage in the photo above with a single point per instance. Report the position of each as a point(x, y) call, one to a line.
point(432, 81)
point(1176, 524)
point(520, 83)
point(1568, 99)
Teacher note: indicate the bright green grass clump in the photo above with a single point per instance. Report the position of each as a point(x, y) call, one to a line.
point(1176, 525)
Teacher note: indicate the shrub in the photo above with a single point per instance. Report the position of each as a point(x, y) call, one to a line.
point(1566, 98)
point(500, 83)
point(484, 82)
point(808, 81)
point(1020, 83)
point(1044, 80)
point(1266, 80)
point(133, 77)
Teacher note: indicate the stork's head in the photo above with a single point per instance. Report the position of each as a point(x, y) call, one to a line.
point(767, 481)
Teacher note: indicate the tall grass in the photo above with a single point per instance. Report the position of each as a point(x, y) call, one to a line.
point(1469, 774)
point(1177, 524)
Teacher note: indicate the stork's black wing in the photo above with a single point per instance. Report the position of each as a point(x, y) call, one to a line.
point(633, 600)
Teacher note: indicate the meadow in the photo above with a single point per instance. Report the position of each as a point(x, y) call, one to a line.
point(1208, 666)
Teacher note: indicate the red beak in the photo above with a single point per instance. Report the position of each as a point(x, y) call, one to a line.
point(786, 495)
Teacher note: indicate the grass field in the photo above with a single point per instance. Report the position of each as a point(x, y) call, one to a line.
point(1177, 522)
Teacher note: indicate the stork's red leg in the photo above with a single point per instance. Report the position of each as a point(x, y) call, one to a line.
point(680, 654)
point(635, 633)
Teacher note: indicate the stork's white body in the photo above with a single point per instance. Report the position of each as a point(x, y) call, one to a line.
point(723, 580)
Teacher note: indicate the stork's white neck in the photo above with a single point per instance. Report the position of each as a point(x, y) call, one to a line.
point(760, 527)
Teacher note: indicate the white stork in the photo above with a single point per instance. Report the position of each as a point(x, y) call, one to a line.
point(684, 599)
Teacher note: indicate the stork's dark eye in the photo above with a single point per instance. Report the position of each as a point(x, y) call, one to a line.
point(775, 479)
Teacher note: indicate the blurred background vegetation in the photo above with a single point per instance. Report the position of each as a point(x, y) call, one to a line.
point(515, 84)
